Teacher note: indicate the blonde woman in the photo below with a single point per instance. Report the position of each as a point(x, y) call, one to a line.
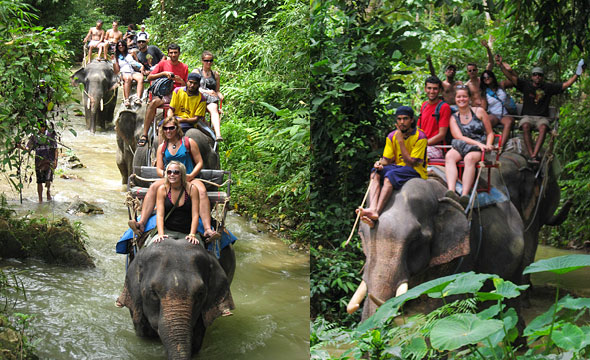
point(177, 204)
point(177, 147)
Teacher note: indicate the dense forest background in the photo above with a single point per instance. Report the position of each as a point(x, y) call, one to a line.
point(261, 52)
point(369, 56)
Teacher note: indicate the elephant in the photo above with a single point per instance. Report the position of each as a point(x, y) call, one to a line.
point(100, 93)
point(128, 126)
point(421, 232)
point(535, 198)
point(175, 290)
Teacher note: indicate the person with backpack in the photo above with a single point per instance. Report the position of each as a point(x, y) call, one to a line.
point(498, 103)
point(434, 118)
point(185, 150)
point(161, 76)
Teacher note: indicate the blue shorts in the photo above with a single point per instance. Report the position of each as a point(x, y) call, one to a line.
point(397, 175)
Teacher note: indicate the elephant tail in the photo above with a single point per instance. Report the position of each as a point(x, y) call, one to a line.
point(559, 218)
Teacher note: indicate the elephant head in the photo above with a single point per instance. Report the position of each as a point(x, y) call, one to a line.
point(420, 233)
point(536, 197)
point(100, 93)
point(175, 290)
point(128, 127)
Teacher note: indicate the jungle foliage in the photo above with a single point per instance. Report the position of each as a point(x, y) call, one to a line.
point(33, 74)
point(368, 57)
point(460, 329)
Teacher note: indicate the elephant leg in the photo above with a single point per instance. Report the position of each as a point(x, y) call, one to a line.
point(123, 168)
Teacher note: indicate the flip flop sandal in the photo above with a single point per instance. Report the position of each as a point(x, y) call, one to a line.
point(142, 140)
point(126, 103)
point(226, 312)
point(219, 139)
point(137, 102)
point(212, 238)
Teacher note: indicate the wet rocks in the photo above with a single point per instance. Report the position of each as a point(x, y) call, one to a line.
point(81, 207)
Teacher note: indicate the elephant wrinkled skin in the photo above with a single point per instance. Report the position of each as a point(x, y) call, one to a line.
point(175, 290)
point(100, 93)
point(419, 230)
point(128, 126)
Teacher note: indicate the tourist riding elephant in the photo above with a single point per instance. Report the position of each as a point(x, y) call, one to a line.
point(535, 198)
point(205, 142)
point(421, 230)
point(100, 93)
point(175, 290)
point(128, 126)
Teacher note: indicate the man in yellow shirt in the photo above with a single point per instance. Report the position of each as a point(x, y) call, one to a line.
point(187, 103)
point(404, 158)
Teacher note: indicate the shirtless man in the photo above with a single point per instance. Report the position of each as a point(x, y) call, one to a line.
point(96, 36)
point(449, 84)
point(473, 82)
point(111, 38)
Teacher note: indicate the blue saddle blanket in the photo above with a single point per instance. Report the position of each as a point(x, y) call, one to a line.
point(226, 237)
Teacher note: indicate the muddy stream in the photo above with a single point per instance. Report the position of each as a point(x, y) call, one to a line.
point(74, 312)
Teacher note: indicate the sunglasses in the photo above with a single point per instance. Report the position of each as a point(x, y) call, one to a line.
point(170, 172)
point(460, 87)
point(486, 77)
point(538, 74)
point(169, 128)
point(140, 41)
point(209, 61)
point(472, 70)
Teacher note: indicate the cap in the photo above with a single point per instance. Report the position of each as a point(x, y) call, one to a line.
point(537, 70)
point(143, 26)
point(404, 110)
point(141, 37)
point(194, 77)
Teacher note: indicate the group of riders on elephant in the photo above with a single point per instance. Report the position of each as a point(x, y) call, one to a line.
point(421, 231)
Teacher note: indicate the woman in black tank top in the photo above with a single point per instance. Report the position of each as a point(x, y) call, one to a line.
point(185, 217)
point(209, 88)
point(472, 133)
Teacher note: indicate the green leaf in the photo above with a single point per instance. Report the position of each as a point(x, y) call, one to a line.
point(416, 349)
point(466, 283)
point(559, 265)
point(575, 304)
point(508, 289)
point(459, 330)
point(347, 86)
point(569, 337)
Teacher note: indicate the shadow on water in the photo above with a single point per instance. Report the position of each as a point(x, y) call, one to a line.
point(75, 316)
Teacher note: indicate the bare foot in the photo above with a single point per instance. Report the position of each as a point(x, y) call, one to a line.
point(370, 213)
point(368, 221)
point(137, 227)
point(226, 312)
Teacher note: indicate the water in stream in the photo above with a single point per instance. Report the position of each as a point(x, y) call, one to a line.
point(75, 315)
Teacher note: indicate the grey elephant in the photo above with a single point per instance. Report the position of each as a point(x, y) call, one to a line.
point(128, 126)
point(100, 93)
point(421, 232)
point(175, 290)
point(535, 198)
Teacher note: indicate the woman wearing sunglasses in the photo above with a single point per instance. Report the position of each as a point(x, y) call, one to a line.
point(124, 63)
point(472, 133)
point(177, 204)
point(177, 147)
point(210, 90)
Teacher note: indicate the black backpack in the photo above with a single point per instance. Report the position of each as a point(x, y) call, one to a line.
point(448, 138)
point(162, 87)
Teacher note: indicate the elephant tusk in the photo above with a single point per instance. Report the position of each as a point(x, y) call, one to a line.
point(376, 300)
point(402, 289)
point(101, 104)
point(88, 104)
point(357, 298)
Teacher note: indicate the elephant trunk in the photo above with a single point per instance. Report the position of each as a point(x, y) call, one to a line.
point(388, 274)
point(175, 327)
point(557, 219)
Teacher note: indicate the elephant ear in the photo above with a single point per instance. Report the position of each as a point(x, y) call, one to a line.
point(132, 299)
point(218, 295)
point(79, 77)
point(451, 233)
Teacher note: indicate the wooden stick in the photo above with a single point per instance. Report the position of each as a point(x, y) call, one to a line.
point(358, 216)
